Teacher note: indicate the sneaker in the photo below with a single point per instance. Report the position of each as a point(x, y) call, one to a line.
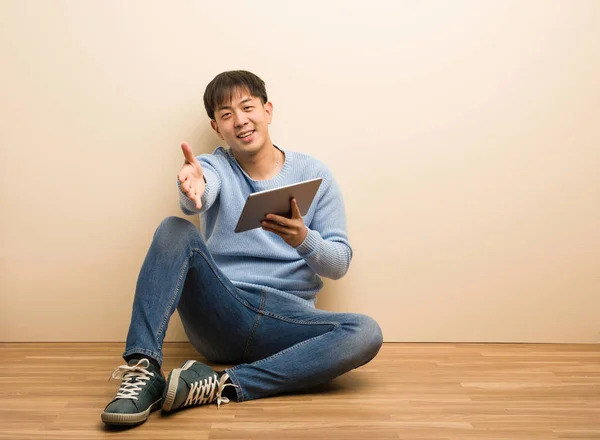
point(139, 395)
point(194, 384)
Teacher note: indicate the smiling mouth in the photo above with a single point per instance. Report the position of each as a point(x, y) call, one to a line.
point(245, 135)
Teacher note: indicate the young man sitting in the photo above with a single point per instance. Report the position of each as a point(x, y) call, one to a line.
point(245, 299)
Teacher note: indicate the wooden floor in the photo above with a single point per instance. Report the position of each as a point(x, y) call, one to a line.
point(410, 391)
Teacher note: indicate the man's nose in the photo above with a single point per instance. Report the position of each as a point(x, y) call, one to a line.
point(240, 119)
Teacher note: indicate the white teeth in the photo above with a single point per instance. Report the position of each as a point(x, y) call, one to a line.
point(245, 134)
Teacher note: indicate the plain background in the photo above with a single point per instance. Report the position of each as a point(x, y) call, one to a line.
point(465, 136)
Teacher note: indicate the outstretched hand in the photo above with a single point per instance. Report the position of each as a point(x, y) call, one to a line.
point(191, 176)
point(292, 230)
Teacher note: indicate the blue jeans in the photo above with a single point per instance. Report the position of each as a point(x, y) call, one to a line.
point(280, 343)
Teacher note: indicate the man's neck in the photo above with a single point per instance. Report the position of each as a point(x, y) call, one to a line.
point(264, 164)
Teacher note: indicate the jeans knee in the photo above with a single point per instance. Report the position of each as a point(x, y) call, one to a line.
point(368, 337)
point(174, 231)
point(173, 223)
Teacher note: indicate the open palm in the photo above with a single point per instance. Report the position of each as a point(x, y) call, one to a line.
point(191, 176)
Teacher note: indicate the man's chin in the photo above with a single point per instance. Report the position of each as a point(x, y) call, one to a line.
point(240, 145)
point(244, 149)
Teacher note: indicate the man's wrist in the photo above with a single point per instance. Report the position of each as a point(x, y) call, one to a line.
point(302, 238)
point(309, 244)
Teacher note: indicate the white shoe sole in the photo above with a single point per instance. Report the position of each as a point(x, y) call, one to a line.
point(129, 419)
point(172, 385)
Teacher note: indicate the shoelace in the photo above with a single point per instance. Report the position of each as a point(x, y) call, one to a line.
point(207, 390)
point(134, 377)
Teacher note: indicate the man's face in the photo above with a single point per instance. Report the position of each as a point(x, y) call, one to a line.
point(244, 123)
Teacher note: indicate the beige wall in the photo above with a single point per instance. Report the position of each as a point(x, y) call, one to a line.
point(465, 136)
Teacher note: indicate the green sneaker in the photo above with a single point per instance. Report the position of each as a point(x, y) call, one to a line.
point(139, 395)
point(194, 384)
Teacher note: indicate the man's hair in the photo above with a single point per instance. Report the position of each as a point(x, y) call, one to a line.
point(221, 89)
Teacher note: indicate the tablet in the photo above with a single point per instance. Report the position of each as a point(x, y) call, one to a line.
point(277, 201)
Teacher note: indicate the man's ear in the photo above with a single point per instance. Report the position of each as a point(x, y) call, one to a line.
point(269, 111)
point(215, 127)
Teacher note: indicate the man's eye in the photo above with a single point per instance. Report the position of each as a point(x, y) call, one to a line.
point(248, 107)
point(225, 115)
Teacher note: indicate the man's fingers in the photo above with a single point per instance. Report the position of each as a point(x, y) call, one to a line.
point(275, 227)
point(192, 194)
point(277, 219)
point(187, 153)
point(295, 209)
point(187, 188)
point(269, 227)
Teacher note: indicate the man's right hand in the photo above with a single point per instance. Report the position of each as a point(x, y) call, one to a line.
point(191, 176)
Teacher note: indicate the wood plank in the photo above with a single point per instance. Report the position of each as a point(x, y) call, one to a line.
point(410, 391)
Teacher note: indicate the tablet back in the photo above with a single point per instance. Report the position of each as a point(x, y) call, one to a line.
point(277, 201)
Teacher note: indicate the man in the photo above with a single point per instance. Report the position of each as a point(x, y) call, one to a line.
point(245, 299)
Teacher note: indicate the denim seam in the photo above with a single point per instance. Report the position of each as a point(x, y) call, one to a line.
point(167, 315)
point(152, 354)
point(215, 271)
point(296, 321)
point(178, 285)
point(255, 327)
point(287, 350)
